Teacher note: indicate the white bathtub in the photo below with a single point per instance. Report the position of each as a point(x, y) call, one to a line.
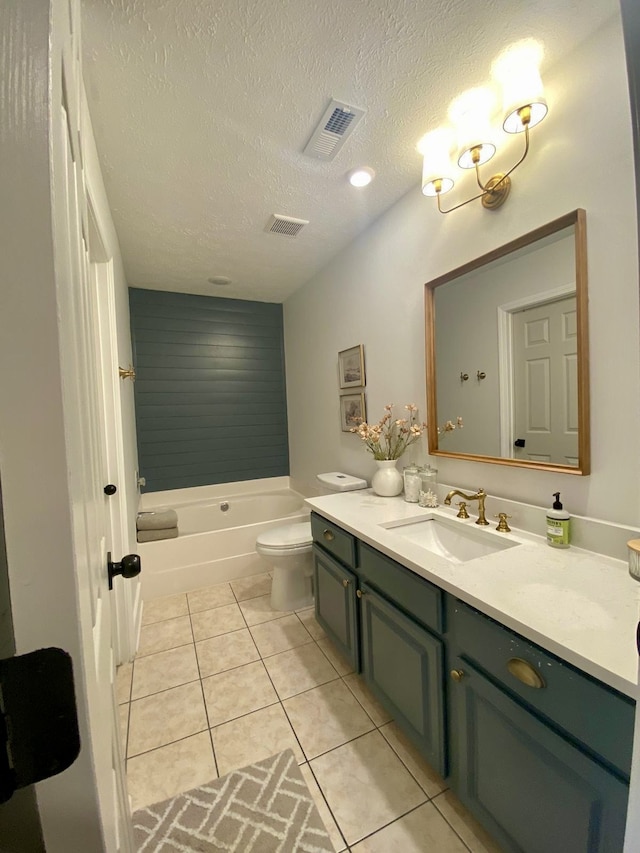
point(214, 544)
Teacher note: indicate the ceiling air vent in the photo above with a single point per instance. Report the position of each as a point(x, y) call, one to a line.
point(335, 126)
point(285, 225)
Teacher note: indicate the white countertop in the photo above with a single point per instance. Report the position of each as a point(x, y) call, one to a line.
point(579, 605)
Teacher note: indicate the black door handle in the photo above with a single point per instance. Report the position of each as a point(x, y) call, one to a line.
point(129, 567)
point(519, 442)
point(110, 489)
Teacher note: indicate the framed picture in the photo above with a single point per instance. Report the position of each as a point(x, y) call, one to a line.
point(351, 367)
point(352, 410)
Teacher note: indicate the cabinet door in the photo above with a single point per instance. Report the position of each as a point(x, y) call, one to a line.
point(335, 602)
point(402, 664)
point(532, 789)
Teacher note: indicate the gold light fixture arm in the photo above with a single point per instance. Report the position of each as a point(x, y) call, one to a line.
point(526, 147)
point(462, 203)
point(495, 191)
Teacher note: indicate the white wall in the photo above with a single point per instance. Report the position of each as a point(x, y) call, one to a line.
point(372, 293)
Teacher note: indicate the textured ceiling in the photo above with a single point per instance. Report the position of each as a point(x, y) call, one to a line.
point(201, 110)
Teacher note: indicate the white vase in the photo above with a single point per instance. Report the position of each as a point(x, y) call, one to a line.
point(387, 481)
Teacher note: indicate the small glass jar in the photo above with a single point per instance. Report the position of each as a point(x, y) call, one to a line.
point(412, 475)
point(427, 495)
point(429, 478)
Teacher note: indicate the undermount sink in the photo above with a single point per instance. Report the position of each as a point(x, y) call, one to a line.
point(455, 542)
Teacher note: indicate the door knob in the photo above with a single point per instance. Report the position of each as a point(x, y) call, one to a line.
point(457, 674)
point(128, 567)
point(110, 489)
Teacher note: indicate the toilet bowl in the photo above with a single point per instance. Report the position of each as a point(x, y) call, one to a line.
point(288, 550)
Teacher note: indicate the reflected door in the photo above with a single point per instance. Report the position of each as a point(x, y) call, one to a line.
point(546, 382)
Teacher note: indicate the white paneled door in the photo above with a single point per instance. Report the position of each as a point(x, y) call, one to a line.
point(52, 422)
point(546, 382)
point(86, 447)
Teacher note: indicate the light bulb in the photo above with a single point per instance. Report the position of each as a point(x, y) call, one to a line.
point(471, 115)
point(517, 72)
point(436, 170)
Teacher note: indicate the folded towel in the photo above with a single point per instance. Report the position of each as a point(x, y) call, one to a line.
point(156, 535)
point(157, 519)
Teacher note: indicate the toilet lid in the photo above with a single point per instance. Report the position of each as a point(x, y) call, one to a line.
point(287, 536)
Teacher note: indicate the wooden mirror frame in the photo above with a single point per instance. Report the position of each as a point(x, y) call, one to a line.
point(577, 219)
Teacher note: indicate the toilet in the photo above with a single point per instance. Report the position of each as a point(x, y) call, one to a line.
point(288, 550)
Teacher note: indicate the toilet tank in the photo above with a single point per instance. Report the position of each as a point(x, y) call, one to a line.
point(336, 481)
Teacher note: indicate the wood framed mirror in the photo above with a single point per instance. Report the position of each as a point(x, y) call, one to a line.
point(507, 351)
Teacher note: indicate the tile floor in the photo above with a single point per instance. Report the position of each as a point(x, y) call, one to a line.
point(221, 681)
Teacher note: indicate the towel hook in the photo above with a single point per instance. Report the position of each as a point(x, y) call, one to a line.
point(127, 373)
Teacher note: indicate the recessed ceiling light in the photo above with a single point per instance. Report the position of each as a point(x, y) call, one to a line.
point(219, 280)
point(361, 177)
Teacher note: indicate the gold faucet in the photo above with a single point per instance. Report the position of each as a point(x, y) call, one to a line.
point(479, 496)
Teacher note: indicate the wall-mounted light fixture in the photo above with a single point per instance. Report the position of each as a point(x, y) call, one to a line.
point(516, 71)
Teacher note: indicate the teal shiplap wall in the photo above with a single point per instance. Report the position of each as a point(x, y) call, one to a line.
point(210, 390)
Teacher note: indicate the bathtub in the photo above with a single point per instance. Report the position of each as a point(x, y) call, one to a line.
point(218, 529)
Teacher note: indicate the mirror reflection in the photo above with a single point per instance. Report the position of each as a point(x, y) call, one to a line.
point(507, 351)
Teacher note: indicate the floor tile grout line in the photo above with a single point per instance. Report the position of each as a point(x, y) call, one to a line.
point(290, 649)
point(206, 713)
point(335, 820)
point(242, 716)
point(231, 668)
point(204, 699)
point(429, 797)
point(391, 822)
point(170, 743)
point(189, 612)
point(378, 726)
point(307, 762)
point(126, 740)
point(448, 822)
point(166, 689)
point(284, 711)
point(158, 651)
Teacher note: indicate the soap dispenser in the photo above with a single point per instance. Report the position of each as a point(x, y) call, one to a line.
point(557, 524)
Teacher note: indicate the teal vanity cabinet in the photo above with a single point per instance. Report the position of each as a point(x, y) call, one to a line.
point(335, 585)
point(402, 657)
point(540, 753)
point(382, 617)
point(537, 750)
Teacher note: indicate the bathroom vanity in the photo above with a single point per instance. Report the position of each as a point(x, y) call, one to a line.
point(510, 665)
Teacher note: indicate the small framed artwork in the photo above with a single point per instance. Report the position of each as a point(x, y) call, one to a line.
point(351, 367)
point(352, 410)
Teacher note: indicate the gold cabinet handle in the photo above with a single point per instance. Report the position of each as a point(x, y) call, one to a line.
point(345, 582)
point(359, 593)
point(525, 672)
point(457, 674)
point(329, 535)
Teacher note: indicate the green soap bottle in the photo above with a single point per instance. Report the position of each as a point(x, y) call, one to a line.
point(558, 520)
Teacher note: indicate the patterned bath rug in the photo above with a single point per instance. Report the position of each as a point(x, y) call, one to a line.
point(263, 808)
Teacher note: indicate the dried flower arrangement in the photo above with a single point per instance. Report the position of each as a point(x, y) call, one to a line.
point(390, 437)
